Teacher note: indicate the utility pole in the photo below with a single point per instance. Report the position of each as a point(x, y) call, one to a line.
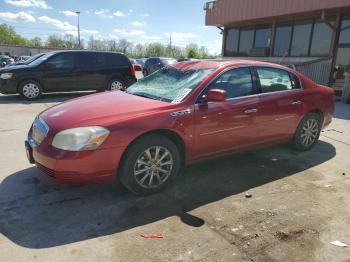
point(170, 50)
point(78, 13)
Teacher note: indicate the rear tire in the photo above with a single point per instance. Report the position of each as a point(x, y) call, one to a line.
point(30, 89)
point(116, 84)
point(149, 165)
point(307, 133)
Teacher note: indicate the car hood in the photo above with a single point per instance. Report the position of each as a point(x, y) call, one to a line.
point(12, 68)
point(104, 109)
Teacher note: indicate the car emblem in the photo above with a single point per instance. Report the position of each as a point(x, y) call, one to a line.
point(181, 113)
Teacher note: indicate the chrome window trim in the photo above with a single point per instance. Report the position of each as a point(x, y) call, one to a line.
point(253, 77)
point(219, 75)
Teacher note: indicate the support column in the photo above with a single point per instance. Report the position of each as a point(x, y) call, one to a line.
point(335, 38)
point(272, 41)
point(223, 42)
point(346, 90)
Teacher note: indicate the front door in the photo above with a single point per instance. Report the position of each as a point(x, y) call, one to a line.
point(58, 73)
point(229, 125)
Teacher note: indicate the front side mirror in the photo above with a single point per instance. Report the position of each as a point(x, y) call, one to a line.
point(216, 95)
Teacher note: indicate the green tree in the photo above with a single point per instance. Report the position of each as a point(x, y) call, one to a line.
point(124, 46)
point(36, 41)
point(139, 51)
point(70, 41)
point(203, 52)
point(192, 51)
point(9, 36)
point(55, 41)
point(156, 49)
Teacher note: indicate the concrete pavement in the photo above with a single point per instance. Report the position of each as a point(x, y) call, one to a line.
point(299, 204)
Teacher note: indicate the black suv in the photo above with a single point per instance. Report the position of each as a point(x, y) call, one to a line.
point(67, 71)
point(155, 63)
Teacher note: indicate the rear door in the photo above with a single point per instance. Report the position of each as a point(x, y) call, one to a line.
point(230, 125)
point(280, 103)
point(58, 74)
point(88, 70)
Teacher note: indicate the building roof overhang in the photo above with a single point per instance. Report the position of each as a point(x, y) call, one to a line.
point(224, 13)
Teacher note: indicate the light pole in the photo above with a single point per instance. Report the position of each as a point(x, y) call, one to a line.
point(78, 13)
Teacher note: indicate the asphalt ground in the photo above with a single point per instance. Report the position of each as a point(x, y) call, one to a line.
point(299, 204)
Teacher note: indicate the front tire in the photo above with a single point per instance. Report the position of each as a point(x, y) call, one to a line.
point(149, 165)
point(307, 133)
point(30, 89)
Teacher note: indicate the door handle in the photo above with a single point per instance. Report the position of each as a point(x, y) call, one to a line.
point(251, 111)
point(296, 102)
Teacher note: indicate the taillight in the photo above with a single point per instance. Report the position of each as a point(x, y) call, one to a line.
point(132, 71)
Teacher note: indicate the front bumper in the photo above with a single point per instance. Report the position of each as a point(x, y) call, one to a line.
point(78, 167)
point(8, 86)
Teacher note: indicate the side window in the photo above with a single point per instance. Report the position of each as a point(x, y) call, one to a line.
point(274, 80)
point(84, 60)
point(100, 59)
point(113, 59)
point(61, 61)
point(151, 62)
point(236, 82)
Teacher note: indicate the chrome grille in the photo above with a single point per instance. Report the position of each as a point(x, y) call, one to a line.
point(39, 131)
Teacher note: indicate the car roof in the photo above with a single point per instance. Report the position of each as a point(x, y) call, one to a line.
point(218, 63)
point(159, 57)
point(83, 51)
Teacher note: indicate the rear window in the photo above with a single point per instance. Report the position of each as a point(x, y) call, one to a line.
point(152, 61)
point(274, 80)
point(114, 59)
point(169, 61)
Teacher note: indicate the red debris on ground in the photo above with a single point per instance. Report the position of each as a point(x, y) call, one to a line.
point(153, 236)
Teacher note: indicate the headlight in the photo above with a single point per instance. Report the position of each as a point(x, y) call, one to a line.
point(6, 75)
point(81, 138)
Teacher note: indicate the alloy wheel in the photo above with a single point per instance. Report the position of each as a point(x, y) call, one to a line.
point(153, 167)
point(309, 132)
point(116, 85)
point(31, 90)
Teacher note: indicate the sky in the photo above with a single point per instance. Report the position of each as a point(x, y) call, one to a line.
point(140, 21)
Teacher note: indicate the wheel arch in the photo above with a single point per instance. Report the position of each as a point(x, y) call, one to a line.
point(28, 79)
point(170, 134)
point(314, 110)
point(318, 112)
point(118, 76)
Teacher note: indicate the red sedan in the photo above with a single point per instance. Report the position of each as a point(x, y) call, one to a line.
point(186, 112)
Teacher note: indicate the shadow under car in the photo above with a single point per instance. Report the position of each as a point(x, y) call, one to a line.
point(37, 214)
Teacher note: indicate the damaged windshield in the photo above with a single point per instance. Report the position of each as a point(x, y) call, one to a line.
point(169, 84)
